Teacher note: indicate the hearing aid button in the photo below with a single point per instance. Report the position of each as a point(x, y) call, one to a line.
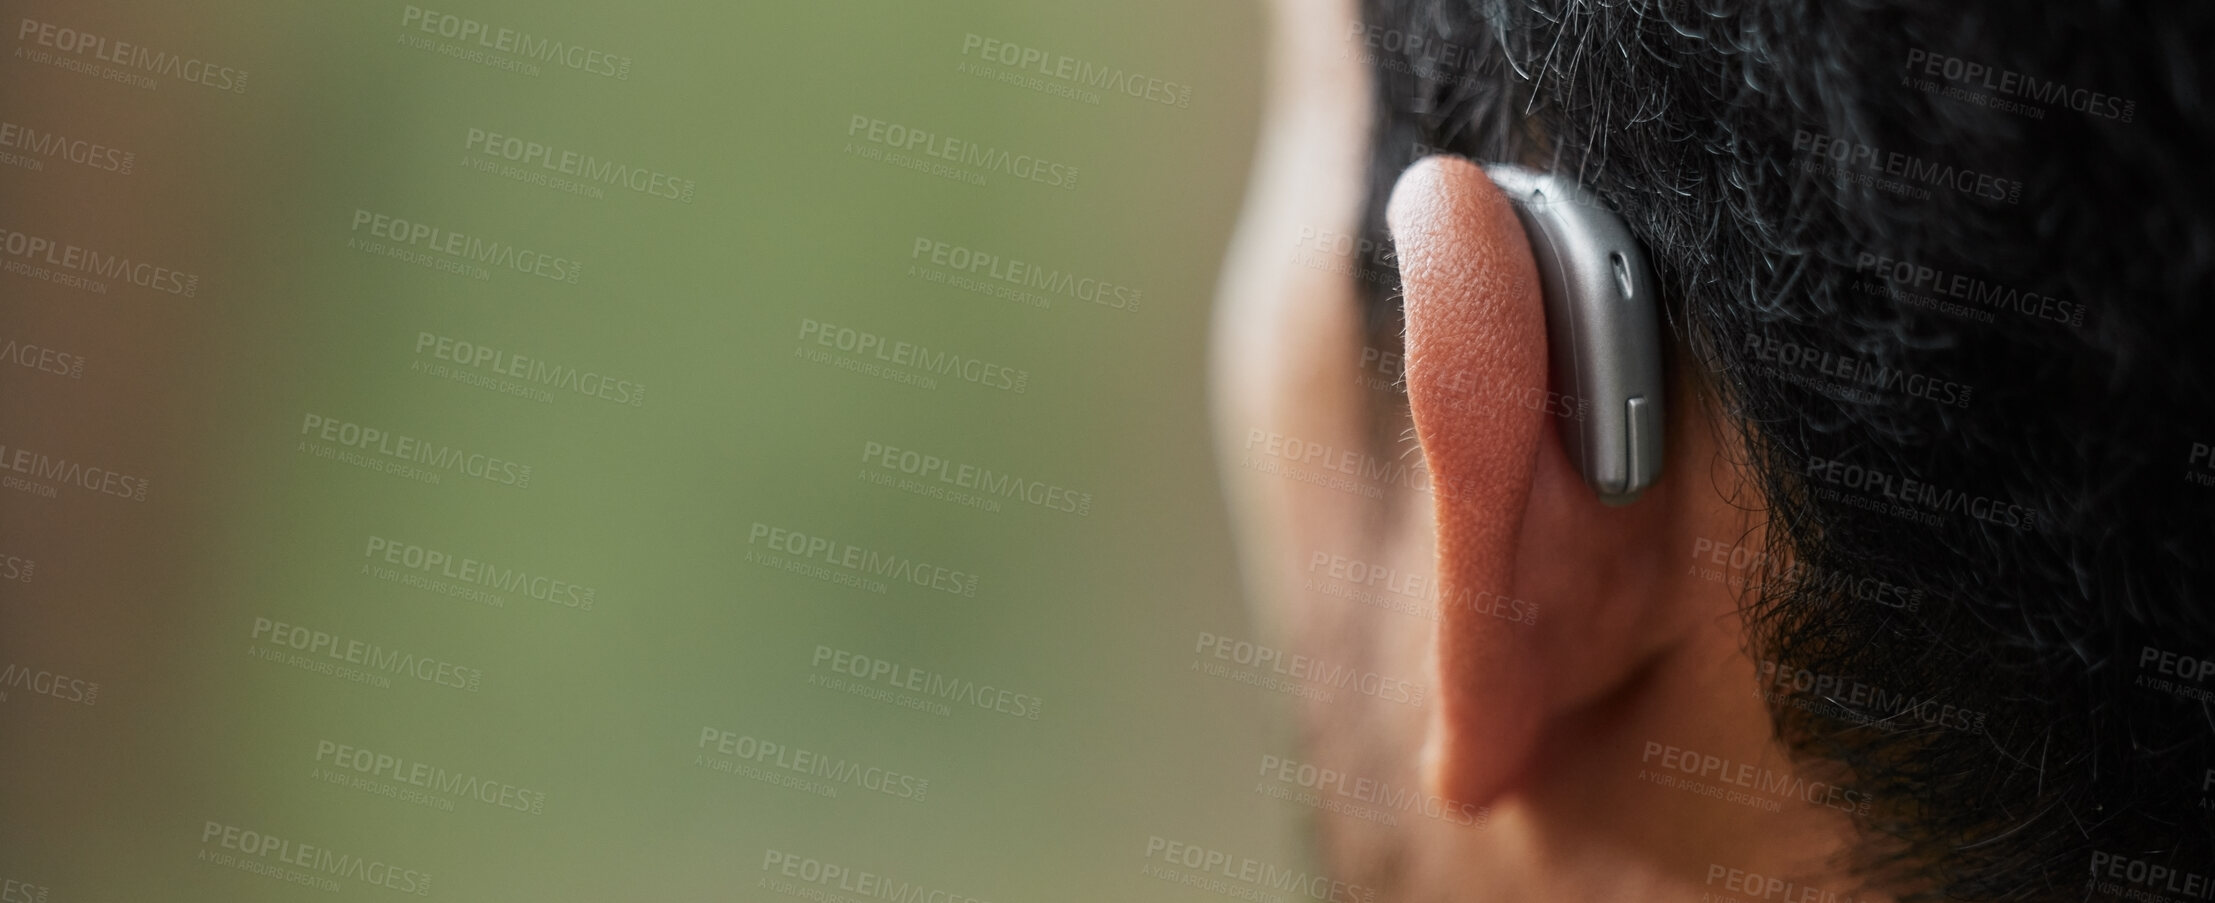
point(1642, 443)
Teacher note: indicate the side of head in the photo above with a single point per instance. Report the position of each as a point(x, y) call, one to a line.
point(1940, 276)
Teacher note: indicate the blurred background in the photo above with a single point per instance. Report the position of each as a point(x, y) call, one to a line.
point(562, 451)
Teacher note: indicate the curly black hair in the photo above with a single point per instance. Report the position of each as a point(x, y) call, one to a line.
point(1948, 265)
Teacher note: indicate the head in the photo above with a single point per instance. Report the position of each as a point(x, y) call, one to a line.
point(1911, 611)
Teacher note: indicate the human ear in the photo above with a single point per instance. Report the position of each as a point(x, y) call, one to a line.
point(1519, 530)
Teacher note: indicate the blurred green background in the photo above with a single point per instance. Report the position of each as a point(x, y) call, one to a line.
point(170, 604)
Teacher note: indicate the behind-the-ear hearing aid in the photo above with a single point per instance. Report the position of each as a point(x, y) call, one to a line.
point(1603, 329)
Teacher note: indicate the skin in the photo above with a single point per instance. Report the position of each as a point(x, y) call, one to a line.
point(1548, 723)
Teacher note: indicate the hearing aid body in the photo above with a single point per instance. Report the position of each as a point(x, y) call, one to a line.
point(1603, 331)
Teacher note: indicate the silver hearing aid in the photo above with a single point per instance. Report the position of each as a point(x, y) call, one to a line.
point(1602, 329)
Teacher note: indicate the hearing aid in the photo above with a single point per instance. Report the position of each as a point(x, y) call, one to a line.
point(1603, 330)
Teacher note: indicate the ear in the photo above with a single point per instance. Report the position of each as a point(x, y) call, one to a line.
point(1474, 317)
point(1517, 526)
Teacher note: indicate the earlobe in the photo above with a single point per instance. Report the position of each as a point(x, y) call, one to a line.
point(1476, 343)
